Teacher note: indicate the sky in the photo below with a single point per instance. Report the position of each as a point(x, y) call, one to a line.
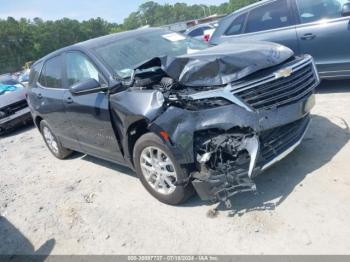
point(110, 10)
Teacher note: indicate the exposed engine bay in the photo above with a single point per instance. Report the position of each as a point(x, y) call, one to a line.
point(174, 93)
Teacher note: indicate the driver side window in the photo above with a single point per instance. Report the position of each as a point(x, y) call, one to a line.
point(315, 10)
point(79, 68)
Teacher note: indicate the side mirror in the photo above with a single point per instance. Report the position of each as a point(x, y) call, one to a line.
point(86, 87)
point(346, 10)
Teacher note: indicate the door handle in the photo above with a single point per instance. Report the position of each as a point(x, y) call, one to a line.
point(69, 100)
point(40, 96)
point(309, 36)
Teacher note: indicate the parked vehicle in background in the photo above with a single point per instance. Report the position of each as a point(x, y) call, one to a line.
point(316, 27)
point(182, 115)
point(202, 31)
point(14, 109)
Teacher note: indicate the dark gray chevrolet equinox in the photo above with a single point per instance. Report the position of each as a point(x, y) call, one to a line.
point(183, 115)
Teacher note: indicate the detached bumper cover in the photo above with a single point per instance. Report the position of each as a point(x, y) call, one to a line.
point(266, 152)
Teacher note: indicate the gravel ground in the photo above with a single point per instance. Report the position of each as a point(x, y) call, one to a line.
point(84, 205)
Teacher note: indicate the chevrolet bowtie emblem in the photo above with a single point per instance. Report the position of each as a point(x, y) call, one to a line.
point(284, 72)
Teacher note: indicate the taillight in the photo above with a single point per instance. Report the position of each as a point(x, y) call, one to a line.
point(206, 37)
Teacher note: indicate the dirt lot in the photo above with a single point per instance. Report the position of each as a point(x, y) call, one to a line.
point(84, 205)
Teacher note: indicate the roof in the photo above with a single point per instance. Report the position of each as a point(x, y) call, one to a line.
point(260, 2)
point(92, 43)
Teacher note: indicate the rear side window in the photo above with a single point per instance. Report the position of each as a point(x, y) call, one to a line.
point(34, 73)
point(237, 25)
point(270, 16)
point(52, 73)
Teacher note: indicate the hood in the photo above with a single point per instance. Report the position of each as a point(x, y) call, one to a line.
point(222, 64)
point(12, 95)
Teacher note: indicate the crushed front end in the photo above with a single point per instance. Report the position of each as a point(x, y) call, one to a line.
point(242, 128)
point(228, 112)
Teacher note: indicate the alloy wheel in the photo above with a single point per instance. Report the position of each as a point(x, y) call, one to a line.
point(50, 140)
point(158, 170)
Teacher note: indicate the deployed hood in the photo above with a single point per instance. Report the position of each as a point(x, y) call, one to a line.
point(221, 64)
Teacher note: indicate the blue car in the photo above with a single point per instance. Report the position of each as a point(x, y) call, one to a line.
point(320, 28)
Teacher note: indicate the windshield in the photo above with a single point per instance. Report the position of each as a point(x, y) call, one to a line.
point(124, 55)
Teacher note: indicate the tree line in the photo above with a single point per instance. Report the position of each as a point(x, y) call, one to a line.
point(26, 40)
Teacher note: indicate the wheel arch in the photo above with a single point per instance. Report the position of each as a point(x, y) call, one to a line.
point(134, 132)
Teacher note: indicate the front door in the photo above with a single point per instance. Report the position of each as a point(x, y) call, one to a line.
point(89, 113)
point(325, 34)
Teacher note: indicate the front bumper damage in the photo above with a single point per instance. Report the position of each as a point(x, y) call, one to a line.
point(230, 145)
point(254, 154)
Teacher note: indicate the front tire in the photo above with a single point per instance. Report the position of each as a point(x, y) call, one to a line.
point(52, 142)
point(159, 171)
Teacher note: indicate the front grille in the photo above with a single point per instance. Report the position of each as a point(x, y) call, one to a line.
point(274, 142)
point(269, 92)
point(13, 108)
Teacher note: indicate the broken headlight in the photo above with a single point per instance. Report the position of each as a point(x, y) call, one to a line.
point(159, 98)
point(205, 103)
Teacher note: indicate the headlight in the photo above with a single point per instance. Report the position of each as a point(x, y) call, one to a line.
point(160, 98)
point(206, 103)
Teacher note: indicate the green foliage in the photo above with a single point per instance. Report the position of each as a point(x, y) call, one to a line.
point(27, 40)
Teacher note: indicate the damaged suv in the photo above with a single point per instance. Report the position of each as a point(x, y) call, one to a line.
point(182, 114)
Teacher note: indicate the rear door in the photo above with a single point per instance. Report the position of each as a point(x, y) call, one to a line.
point(47, 99)
point(325, 34)
point(89, 113)
point(273, 21)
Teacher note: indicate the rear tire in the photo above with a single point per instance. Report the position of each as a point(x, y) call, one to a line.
point(53, 143)
point(158, 171)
